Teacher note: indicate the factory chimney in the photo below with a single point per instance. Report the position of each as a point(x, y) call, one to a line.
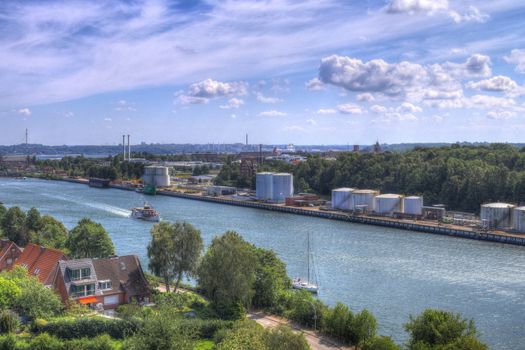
point(129, 150)
point(246, 139)
point(124, 147)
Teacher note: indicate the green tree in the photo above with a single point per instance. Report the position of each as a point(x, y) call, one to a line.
point(337, 321)
point(227, 273)
point(33, 220)
point(381, 343)
point(283, 338)
point(271, 278)
point(363, 327)
point(89, 240)
point(437, 329)
point(52, 234)
point(9, 292)
point(174, 251)
point(14, 226)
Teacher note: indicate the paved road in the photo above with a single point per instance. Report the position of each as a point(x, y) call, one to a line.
point(316, 342)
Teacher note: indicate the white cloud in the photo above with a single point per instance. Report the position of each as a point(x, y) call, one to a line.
point(501, 114)
point(349, 108)
point(233, 103)
point(203, 91)
point(108, 119)
point(413, 6)
point(378, 109)
point(326, 111)
point(272, 113)
point(365, 97)
point(266, 99)
point(69, 114)
point(485, 101)
point(123, 105)
point(473, 14)
point(311, 121)
point(498, 83)
point(409, 107)
point(401, 112)
point(517, 57)
point(25, 112)
point(315, 85)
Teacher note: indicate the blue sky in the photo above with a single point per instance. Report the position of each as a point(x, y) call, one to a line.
point(303, 72)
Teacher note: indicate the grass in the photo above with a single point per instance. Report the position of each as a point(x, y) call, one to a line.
point(204, 345)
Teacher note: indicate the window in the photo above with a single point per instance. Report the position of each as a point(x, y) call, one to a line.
point(80, 274)
point(9, 261)
point(104, 285)
point(37, 271)
point(82, 291)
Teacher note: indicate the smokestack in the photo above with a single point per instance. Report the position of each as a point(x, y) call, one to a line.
point(124, 146)
point(129, 150)
point(246, 139)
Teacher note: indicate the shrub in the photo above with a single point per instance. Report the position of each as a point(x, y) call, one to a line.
point(380, 343)
point(8, 322)
point(8, 342)
point(91, 328)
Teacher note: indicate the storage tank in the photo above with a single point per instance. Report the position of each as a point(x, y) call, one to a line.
point(162, 181)
point(388, 203)
point(413, 205)
point(497, 215)
point(362, 198)
point(263, 186)
point(342, 198)
point(161, 171)
point(518, 219)
point(282, 187)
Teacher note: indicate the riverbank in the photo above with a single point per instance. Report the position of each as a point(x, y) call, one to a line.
point(432, 227)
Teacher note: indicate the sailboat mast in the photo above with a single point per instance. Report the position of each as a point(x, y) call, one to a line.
point(308, 280)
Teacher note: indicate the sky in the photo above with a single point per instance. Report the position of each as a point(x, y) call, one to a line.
point(303, 72)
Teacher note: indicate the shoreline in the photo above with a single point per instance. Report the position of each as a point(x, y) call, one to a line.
point(409, 225)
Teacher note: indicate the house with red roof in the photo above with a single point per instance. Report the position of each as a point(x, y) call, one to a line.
point(9, 252)
point(40, 262)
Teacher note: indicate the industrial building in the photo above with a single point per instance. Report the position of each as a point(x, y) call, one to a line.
point(497, 215)
point(388, 204)
point(274, 187)
point(304, 200)
point(157, 176)
point(217, 191)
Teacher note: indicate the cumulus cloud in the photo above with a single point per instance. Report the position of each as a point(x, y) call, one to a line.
point(266, 99)
point(349, 108)
point(326, 111)
point(123, 105)
point(26, 112)
point(409, 107)
point(372, 76)
point(412, 6)
point(378, 109)
point(233, 103)
point(517, 57)
point(311, 121)
point(498, 83)
point(365, 97)
point(202, 92)
point(315, 85)
point(473, 14)
point(272, 113)
point(404, 108)
point(501, 114)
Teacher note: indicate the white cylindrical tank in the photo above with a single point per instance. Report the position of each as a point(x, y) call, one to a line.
point(282, 187)
point(497, 215)
point(162, 181)
point(342, 198)
point(263, 186)
point(150, 170)
point(413, 205)
point(161, 171)
point(362, 198)
point(388, 203)
point(518, 219)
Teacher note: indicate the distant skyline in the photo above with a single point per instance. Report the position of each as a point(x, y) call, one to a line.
point(309, 72)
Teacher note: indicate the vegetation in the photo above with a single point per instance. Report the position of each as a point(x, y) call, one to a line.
point(89, 240)
point(174, 251)
point(14, 226)
point(52, 233)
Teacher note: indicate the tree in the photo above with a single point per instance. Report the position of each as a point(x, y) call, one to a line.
point(89, 240)
point(33, 220)
point(435, 329)
point(174, 251)
point(227, 273)
point(270, 278)
point(9, 292)
point(283, 338)
point(381, 343)
point(14, 226)
point(52, 234)
point(363, 327)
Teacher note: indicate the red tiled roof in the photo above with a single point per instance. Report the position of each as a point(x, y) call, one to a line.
point(40, 261)
point(5, 246)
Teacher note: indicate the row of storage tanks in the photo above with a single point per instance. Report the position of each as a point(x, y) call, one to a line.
point(157, 176)
point(274, 187)
point(503, 216)
point(372, 201)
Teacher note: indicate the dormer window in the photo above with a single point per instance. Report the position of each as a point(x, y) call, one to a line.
point(80, 274)
point(104, 285)
point(37, 271)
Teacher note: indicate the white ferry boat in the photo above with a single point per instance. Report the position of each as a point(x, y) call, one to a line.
point(147, 212)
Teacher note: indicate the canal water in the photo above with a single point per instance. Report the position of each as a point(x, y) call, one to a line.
point(393, 273)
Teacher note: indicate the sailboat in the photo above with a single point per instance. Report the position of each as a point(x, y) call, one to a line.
point(307, 284)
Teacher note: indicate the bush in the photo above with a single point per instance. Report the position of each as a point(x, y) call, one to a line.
point(380, 343)
point(8, 342)
point(91, 328)
point(205, 328)
point(8, 322)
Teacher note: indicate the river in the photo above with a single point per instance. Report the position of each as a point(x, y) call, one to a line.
point(393, 273)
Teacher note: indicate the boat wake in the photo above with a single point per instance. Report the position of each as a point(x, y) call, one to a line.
point(95, 205)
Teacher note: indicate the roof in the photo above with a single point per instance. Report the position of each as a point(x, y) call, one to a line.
point(414, 197)
point(389, 195)
point(498, 205)
point(124, 272)
point(40, 261)
point(343, 189)
point(5, 246)
point(365, 192)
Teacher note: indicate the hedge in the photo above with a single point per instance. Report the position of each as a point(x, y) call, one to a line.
point(90, 327)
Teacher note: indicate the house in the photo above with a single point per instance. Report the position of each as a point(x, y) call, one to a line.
point(9, 252)
point(40, 262)
point(102, 283)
